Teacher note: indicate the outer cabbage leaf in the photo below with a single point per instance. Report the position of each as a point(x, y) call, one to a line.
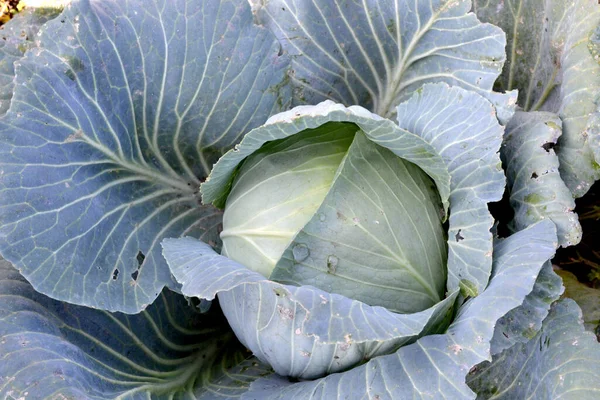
point(404, 144)
point(49, 349)
point(436, 365)
point(17, 36)
point(552, 61)
point(376, 53)
point(300, 331)
point(522, 323)
point(536, 188)
point(462, 127)
point(587, 298)
point(561, 362)
point(115, 120)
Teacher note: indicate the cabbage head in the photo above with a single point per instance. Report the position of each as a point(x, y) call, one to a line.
point(347, 236)
point(334, 182)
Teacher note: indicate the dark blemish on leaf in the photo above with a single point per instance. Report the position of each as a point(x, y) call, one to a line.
point(332, 263)
point(547, 146)
point(458, 236)
point(505, 335)
point(534, 176)
point(115, 274)
point(134, 275)
point(140, 257)
point(70, 74)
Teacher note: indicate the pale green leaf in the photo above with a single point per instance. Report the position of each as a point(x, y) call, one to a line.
point(16, 37)
point(462, 127)
point(54, 350)
point(553, 64)
point(561, 362)
point(301, 331)
point(536, 188)
point(117, 116)
point(376, 53)
point(377, 236)
point(436, 365)
point(524, 322)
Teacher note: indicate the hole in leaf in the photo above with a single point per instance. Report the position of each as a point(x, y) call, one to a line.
point(458, 236)
point(134, 275)
point(140, 257)
point(115, 274)
point(547, 146)
point(534, 176)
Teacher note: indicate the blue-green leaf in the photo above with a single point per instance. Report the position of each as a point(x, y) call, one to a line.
point(377, 53)
point(404, 144)
point(523, 322)
point(300, 331)
point(553, 63)
point(52, 350)
point(462, 127)
point(536, 188)
point(116, 119)
point(436, 365)
point(561, 362)
point(16, 37)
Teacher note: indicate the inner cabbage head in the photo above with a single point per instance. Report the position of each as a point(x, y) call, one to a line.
point(382, 256)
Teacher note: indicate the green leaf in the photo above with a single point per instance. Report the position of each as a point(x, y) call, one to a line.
point(552, 62)
point(586, 297)
point(561, 361)
point(377, 236)
point(404, 144)
point(525, 321)
point(116, 119)
point(436, 365)
point(277, 191)
point(52, 350)
point(301, 331)
point(16, 37)
point(377, 53)
point(462, 127)
point(536, 188)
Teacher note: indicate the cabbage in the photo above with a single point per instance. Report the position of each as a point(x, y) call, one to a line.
point(289, 199)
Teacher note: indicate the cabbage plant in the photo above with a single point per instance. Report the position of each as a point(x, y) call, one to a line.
point(288, 199)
